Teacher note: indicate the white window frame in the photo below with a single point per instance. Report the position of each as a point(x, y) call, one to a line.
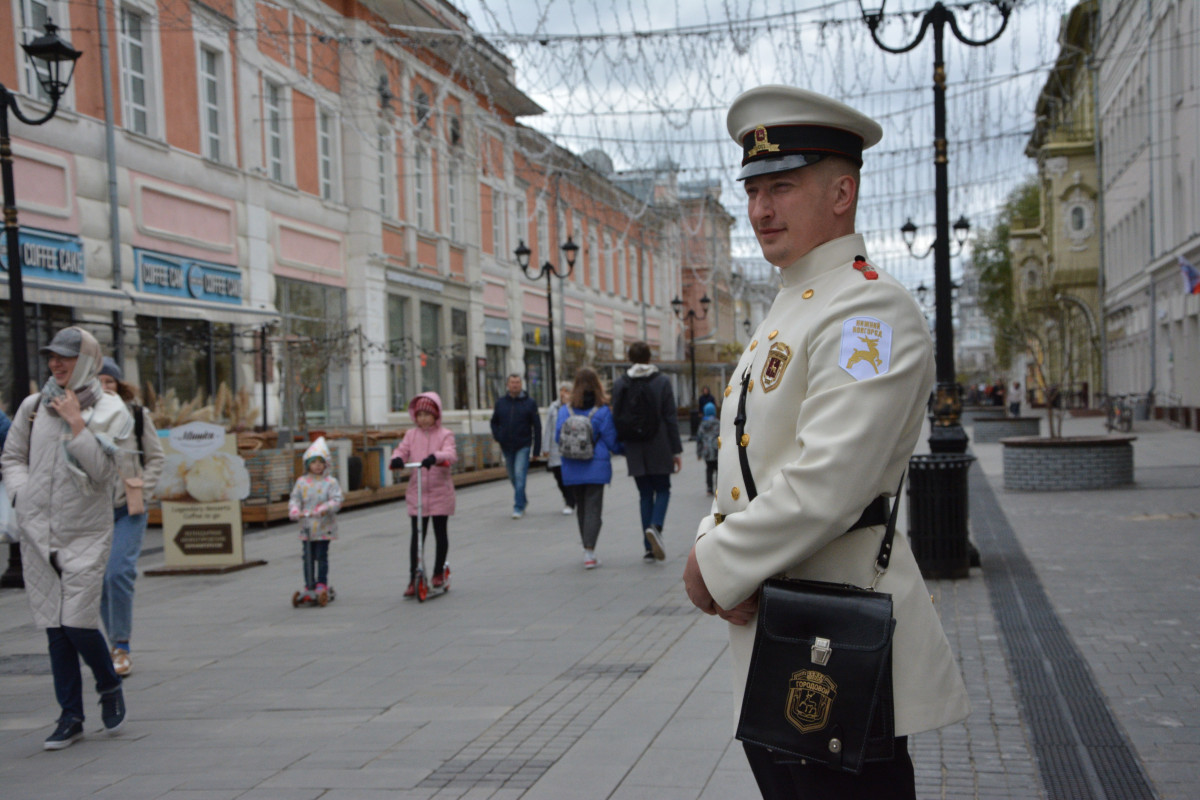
point(385, 145)
point(499, 247)
point(328, 148)
point(422, 187)
point(543, 233)
point(520, 220)
point(219, 135)
point(149, 74)
point(621, 287)
point(454, 197)
point(593, 259)
point(276, 129)
point(56, 10)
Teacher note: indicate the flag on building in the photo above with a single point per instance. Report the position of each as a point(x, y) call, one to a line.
point(1191, 277)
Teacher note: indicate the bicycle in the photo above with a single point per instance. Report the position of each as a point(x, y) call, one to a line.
point(1118, 414)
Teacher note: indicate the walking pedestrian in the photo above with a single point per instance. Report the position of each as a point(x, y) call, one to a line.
point(1014, 400)
point(517, 426)
point(432, 444)
point(706, 444)
point(315, 501)
point(648, 427)
point(550, 447)
point(587, 437)
point(139, 467)
point(60, 462)
point(842, 364)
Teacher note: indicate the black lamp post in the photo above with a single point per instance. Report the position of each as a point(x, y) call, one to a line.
point(690, 317)
point(570, 249)
point(947, 435)
point(57, 56)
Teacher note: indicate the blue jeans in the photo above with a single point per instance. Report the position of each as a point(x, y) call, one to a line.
point(116, 601)
point(655, 493)
point(517, 464)
point(67, 645)
point(316, 563)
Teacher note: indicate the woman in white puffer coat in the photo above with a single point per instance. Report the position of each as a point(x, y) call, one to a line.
point(59, 464)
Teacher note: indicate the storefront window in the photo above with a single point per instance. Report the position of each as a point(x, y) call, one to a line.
point(458, 358)
point(41, 323)
point(497, 372)
point(317, 353)
point(400, 353)
point(431, 348)
point(190, 358)
point(537, 363)
point(574, 355)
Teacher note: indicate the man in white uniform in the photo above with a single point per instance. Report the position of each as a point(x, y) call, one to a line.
point(837, 378)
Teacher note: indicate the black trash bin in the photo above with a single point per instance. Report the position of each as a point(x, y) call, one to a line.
point(938, 514)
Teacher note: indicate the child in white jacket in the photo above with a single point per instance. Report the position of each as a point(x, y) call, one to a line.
point(316, 499)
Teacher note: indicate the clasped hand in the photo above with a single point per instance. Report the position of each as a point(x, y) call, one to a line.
point(697, 592)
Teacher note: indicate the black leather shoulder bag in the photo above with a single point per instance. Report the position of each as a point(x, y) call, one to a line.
point(820, 680)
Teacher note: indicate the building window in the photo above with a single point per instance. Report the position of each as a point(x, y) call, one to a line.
point(211, 102)
point(421, 193)
point(34, 14)
point(318, 351)
point(422, 110)
point(593, 261)
point(458, 357)
point(431, 348)
point(273, 111)
point(325, 152)
point(497, 374)
point(400, 353)
point(134, 79)
point(387, 172)
point(452, 198)
point(520, 223)
point(499, 249)
point(543, 234)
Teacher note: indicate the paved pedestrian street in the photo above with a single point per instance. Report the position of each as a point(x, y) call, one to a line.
point(532, 678)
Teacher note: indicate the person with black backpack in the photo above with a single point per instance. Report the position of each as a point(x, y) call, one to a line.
point(139, 473)
point(586, 439)
point(647, 424)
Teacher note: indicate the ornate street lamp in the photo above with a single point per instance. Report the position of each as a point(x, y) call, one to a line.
point(54, 64)
point(570, 250)
point(947, 435)
point(690, 317)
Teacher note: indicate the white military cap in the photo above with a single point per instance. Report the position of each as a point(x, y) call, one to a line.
point(782, 128)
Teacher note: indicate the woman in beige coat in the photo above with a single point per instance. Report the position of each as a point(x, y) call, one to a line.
point(60, 463)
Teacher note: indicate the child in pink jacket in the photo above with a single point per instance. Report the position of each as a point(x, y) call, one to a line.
point(433, 446)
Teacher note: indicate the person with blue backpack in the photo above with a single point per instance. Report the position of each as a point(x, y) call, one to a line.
point(587, 438)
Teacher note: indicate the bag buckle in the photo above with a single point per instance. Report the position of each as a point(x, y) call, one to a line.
point(821, 651)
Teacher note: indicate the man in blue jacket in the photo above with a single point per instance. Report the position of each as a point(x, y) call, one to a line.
point(517, 426)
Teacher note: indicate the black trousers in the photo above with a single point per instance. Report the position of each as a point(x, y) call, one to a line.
point(785, 777)
point(567, 492)
point(443, 543)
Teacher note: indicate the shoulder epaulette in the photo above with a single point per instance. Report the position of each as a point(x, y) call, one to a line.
point(860, 264)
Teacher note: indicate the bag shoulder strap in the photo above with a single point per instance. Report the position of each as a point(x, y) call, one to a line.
point(883, 557)
point(139, 428)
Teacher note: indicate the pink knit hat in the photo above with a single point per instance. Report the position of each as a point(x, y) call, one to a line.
point(424, 403)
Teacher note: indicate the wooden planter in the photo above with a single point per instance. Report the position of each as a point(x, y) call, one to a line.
point(1036, 464)
point(995, 429)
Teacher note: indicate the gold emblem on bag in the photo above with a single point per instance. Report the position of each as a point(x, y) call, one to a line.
point(761, 143)
point(777, 361)
point(810, 700)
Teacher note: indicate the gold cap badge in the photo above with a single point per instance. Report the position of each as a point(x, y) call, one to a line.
point(761, 143)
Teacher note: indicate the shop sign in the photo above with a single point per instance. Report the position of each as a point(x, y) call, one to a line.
point(50, 255)
point(185, 277)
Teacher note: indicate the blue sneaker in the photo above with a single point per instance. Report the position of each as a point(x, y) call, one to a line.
point(65, 734)
point(112, 710)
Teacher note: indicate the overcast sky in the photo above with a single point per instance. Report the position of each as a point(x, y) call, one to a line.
point(647, 80)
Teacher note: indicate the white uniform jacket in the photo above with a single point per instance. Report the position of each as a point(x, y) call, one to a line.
point(841, 369)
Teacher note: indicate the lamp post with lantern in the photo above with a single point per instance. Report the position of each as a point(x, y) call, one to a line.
point(570, 250)
point(690, 318)
point(51, 56)
point(947, 434)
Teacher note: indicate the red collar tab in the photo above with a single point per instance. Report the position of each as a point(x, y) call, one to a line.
point(860, 264)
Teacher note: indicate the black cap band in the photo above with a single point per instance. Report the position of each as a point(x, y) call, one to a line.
point(782, 140)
